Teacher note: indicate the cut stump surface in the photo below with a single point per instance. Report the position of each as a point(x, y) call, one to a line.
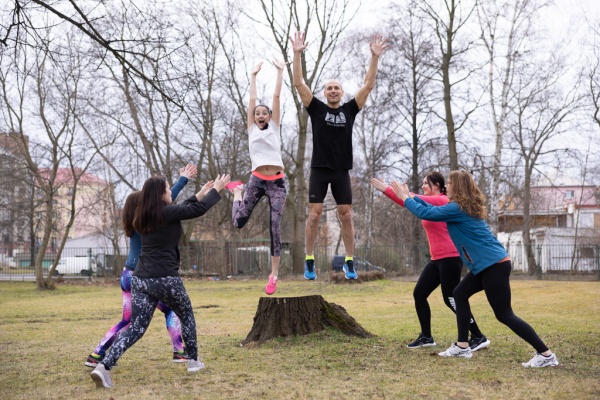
point(288, 316)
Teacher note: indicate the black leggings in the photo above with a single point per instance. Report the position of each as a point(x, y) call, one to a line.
point(495, 282)
point(145, 294)
point(445, 272)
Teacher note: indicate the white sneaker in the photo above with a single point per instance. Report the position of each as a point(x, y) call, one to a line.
point(195, 365)
point(540, 361)
point(101, 376)
point(455, 351)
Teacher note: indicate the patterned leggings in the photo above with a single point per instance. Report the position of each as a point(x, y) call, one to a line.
point(257, 188)
point(146, 293)
point(173, 326)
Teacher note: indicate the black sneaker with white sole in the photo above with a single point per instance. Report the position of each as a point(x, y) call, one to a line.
point(181, 357)
point(93, 360)
point(478, 343)
point(421, 341)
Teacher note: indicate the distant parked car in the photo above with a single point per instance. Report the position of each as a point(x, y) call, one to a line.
point(7, 261)
point(359, 264)
point(76, 265)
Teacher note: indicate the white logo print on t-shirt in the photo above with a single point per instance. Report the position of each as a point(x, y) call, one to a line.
point(335, 120)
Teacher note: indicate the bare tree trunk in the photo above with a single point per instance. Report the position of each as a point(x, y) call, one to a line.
point(519, 24)
point(446, 30)
point(532, 266)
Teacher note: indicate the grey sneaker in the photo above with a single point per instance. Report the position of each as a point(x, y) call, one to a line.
point(101, 376)
point(195, 365)
point(540, 361)
point(455, 351)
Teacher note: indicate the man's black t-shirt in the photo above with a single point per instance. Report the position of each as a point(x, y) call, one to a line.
point(332, 134)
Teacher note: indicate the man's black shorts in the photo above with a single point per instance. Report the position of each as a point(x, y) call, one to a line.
point(321, 178)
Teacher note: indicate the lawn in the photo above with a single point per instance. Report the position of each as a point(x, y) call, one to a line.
point(46, 336)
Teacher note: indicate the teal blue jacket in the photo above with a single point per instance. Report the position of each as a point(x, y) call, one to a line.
point(477, 246)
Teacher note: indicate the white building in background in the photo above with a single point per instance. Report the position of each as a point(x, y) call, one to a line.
point(565, 226)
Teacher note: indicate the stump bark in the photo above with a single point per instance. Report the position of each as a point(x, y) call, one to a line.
point(288, 316)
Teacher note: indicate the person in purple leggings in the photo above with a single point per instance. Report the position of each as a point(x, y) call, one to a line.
point(156, 277)
point(135, 246)
point(267, 177)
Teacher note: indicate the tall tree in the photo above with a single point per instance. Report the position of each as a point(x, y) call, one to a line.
point(447, 23)
point(49, 79)
point(542, 113)
point(505, 27)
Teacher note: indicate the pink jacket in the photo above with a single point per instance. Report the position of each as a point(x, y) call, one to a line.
point(440, 244)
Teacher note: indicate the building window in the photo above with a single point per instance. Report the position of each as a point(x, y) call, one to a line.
point(569, 194)
point(69, 191)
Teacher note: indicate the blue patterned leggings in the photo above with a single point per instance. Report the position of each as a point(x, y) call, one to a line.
point(257, 188)
point(145, 295)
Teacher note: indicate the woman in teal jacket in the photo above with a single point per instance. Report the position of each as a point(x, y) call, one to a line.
point(485, 257)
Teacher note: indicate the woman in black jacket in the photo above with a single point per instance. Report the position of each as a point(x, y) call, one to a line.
point(156, 277)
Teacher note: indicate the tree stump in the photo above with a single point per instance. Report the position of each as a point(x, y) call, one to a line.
point(287, 316)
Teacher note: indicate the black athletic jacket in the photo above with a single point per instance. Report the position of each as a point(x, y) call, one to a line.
point(160, 249)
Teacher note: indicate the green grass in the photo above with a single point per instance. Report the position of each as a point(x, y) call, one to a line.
point(45, 337)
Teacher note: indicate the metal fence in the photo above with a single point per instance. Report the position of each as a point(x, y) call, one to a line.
point(558, 258)
point(251, 258)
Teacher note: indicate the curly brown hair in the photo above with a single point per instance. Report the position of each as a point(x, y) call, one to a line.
point(466, 194)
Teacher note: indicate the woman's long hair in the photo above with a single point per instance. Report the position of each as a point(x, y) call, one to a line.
point(434, 178)
point(128, 213)
point(148, 216)
point(466, 193)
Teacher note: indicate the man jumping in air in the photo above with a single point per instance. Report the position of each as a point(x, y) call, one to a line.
point(332, 149)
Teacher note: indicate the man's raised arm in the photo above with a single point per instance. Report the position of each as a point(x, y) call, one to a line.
point(377, 46)
point(298, 47)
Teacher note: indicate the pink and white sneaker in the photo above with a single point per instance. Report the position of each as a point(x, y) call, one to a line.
point(234, 185)
point(272, 285)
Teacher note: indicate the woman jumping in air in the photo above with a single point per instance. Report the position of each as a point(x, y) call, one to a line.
point(267, 178)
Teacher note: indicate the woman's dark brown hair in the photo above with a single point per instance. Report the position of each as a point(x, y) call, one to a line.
point(128, 213)
point(148, 215)
point(434, 178)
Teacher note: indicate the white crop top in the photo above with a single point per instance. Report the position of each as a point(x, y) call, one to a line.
point(265, 146)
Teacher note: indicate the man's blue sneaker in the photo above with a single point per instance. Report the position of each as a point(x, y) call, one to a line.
point(349, 270)
point(309, 270)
